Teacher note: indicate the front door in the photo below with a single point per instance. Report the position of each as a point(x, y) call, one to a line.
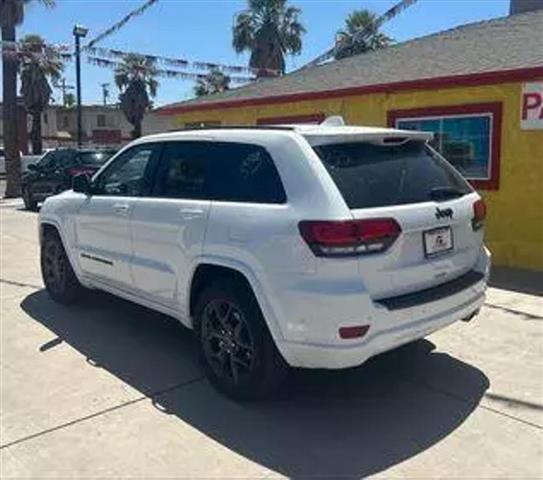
point(104, 245)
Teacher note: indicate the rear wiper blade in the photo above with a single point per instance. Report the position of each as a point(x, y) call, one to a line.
point(441, 193)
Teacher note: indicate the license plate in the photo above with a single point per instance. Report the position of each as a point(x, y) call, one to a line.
point(437, 241)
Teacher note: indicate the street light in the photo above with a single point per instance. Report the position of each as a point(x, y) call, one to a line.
point(79, 32)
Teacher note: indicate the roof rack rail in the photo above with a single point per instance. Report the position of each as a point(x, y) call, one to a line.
point(235, 127)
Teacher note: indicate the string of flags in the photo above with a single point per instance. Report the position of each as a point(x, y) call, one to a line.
point(179, 62)
point(101, 55)
point(35, 51)
point(122, 22)
point(364, 32)
point(165, 73)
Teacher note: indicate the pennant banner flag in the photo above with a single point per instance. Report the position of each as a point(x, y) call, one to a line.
point(122, 22)
point(363, 33)
point(165, 73)
point(178, 62)
point(65, 51)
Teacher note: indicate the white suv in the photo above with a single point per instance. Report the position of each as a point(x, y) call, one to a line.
point(309, 246)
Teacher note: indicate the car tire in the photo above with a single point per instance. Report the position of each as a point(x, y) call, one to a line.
point(30, 203)
point(57, 273)
point(239, 355)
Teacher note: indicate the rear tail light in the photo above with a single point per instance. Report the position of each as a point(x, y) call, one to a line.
point(350, 237)
point(479, 214)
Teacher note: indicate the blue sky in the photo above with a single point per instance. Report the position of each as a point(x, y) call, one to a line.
point(201, 30)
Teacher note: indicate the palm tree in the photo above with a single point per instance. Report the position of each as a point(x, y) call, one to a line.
point(136, 79)
point(214, 82)
point(269, 29)
point(37, 63)
point(11, 15)
point(360, 20)
point(69, 100)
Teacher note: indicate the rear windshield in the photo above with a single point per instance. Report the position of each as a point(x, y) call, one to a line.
point(369, 175)
point(96, 159)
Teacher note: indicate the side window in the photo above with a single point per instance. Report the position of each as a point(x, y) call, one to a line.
point(245, 173)
point(184, 171)
point(230, 172)
point(126, 176)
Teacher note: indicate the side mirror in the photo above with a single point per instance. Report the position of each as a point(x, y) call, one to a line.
point(32, 167)
point(81, 183)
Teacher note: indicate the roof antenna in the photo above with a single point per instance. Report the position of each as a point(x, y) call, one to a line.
point(333, 121)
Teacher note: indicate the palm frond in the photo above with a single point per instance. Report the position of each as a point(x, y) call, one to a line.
point(269, 29)
point(243, 32)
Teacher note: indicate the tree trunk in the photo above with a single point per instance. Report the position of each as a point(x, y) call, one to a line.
point(136, 133)
point(11, 147)
point(35, 134)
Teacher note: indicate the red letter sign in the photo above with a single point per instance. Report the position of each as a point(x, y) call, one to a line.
point(532, 106)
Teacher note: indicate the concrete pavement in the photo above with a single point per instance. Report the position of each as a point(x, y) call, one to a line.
point(110, 389)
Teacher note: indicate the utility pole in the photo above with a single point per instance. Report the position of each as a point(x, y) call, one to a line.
point(79, 32)
point(64, 87)
point(105, 92)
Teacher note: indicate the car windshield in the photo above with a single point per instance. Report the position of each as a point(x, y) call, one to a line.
point(95, 159)
point(372, 175)
point(49, 158)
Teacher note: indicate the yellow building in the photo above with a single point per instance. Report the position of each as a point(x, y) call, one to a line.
point(478, 87)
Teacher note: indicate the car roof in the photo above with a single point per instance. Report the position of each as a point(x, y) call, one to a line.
point(315, 134)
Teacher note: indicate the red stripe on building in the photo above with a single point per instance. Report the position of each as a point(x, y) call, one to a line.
point(472, 79)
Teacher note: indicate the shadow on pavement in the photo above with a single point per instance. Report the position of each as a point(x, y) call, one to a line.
point(517, 280)
point(349, 423)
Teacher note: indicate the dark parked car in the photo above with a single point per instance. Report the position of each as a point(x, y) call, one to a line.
point(53, 173)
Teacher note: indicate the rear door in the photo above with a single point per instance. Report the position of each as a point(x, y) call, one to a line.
point(168, 226)
point(431, 202)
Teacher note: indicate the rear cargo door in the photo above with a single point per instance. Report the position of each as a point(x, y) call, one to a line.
point(407, 181)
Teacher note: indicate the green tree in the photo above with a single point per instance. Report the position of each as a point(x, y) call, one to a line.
point(11, 15)
point(136, 79)
point(348, 45)
point(69, 100)
point(214, 82)
point(269, 29)
point(37, 63)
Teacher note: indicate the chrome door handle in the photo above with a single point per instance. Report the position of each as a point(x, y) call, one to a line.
point(191, 212)
point(121, 209)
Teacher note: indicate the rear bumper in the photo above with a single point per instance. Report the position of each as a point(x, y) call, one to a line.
point(336, 356)
point(390, 328)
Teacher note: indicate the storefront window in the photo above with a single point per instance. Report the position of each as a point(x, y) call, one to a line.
point(463, 141)
point(468, 136)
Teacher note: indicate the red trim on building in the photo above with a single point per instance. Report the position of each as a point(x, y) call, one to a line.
point(292, 119)
point(469, 80)
point(494, 108)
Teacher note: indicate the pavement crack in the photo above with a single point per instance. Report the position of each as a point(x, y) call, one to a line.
point(480, 405)
point(20, 284)
point(151, 396)
point(529, 316)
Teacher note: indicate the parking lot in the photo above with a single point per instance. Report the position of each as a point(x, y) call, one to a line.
point(109, 389)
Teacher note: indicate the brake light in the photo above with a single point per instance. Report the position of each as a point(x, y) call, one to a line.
point(349, 237)
point(479, 214)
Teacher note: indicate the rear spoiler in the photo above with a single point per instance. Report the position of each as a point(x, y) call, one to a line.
point(384, 137)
